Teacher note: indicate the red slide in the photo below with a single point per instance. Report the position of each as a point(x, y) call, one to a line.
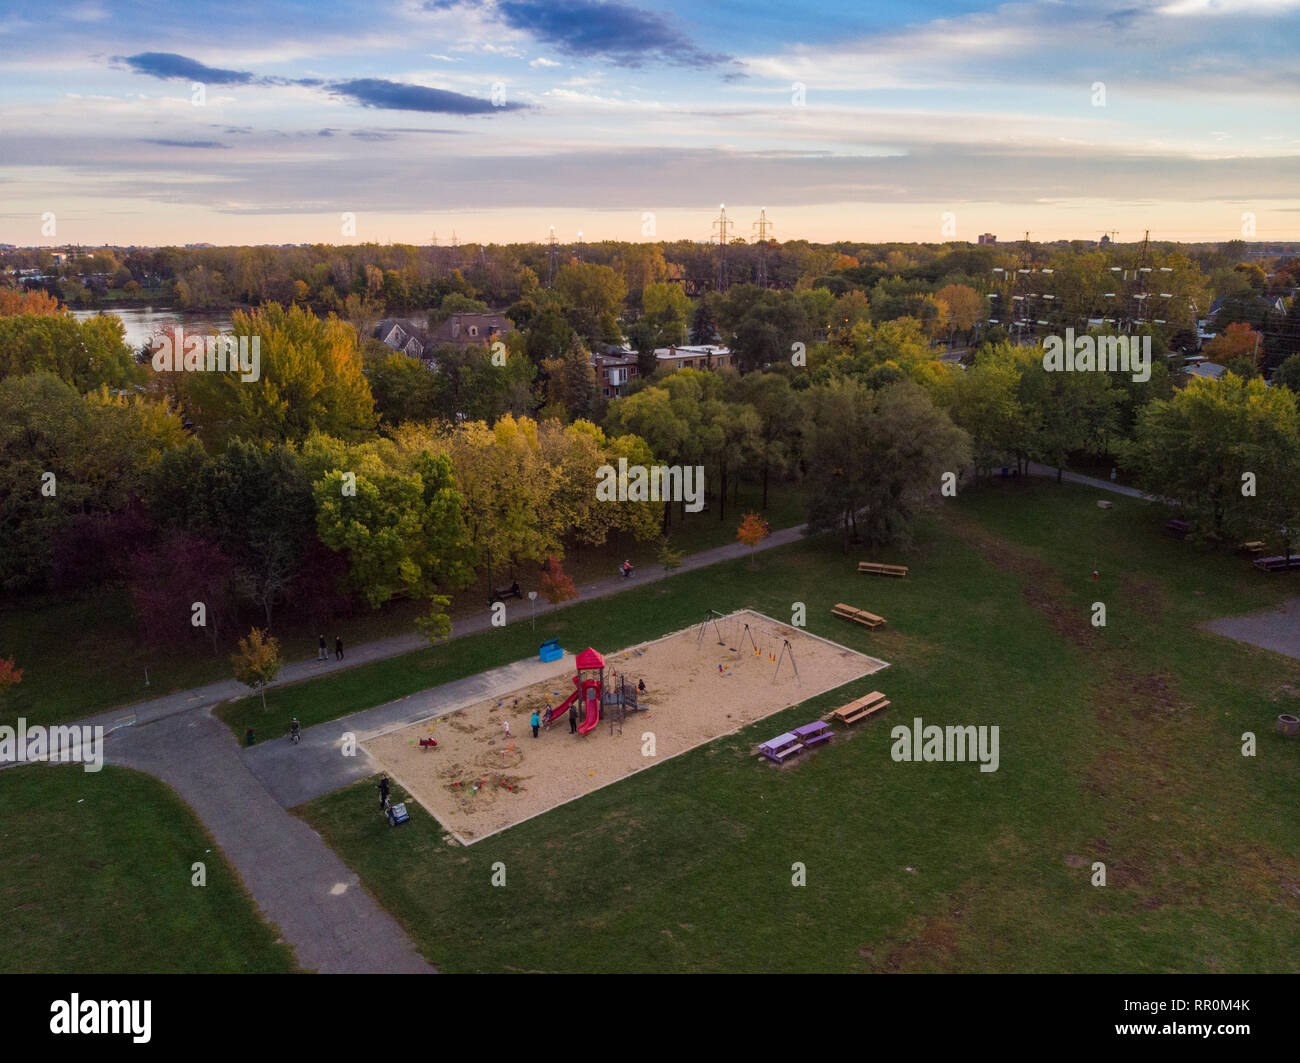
point(591, 691)
point(562, 708)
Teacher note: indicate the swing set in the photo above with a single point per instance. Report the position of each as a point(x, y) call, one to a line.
point(724, 626)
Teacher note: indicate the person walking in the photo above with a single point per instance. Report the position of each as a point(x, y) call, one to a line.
point(535, 722)
point(338, 647)
point(320, 653)
point(383, 792)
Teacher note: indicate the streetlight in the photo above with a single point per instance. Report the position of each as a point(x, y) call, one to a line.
point(532, 606)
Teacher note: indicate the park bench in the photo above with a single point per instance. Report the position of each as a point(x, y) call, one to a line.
point(1178, 527)
point(780, 748)
point(502, 593)
point(876, 569)
point(859, 710)
point(858, 616)
point(811, 734)
point(1255, 547)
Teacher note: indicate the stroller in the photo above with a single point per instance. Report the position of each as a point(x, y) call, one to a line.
point(396, 814)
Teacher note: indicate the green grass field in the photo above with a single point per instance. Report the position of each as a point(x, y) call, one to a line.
point(1120, 745)
point(95, 877)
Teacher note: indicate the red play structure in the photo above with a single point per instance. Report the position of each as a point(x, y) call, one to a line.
point(588, 687)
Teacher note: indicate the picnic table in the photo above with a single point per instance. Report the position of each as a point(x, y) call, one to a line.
point(858, 710)
point(877, 569)
point(1277, 564)
point(813, 733)
point(781, 747)
point(858, 616)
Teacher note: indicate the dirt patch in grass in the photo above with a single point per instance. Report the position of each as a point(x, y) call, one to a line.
point(1042, 589)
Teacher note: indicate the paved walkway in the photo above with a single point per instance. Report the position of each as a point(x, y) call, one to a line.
point(1276, 628)
point(1089, 481)
point(319, 905)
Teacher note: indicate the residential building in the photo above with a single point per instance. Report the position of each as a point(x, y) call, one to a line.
point(400, 337)
point(614, 370)
point(698, 356)
point(471, 328)
point(987, 238)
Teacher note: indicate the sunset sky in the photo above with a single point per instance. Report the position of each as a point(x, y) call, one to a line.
point(169, 123)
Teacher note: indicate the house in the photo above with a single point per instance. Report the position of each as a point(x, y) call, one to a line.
point(699, 356)
point(614, 369)
point(400, 337)
point(471, 328)
point(1205, 370)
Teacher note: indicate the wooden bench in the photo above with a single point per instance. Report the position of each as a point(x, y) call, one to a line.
point(858, 616)
point(1178, 527)
point(781, 747)
point(1256, 547)
point(810, 734)
point(877, 569)
point(859, 710)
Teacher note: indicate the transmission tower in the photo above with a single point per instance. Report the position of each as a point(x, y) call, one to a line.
point(552, 255)
point(1141, 274)
point(763, 227)
point(723, 230)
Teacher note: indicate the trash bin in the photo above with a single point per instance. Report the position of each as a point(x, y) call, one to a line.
point(248, 737)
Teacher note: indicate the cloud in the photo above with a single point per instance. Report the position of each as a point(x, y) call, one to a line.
point(395, 96)
point(544, 62)
point(617, 33)
point(185, 143)
point(169, 66)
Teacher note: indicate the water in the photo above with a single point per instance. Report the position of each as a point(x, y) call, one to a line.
point(142, 322)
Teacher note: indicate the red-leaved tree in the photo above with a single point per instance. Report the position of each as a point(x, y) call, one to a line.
point(556, 586)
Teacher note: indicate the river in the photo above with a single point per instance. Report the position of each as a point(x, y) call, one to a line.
point(141, 322)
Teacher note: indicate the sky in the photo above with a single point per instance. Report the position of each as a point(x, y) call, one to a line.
point(494, 120)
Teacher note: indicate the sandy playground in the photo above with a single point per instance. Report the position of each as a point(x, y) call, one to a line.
point(479, 781)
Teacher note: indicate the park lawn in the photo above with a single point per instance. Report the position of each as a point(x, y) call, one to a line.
point(1119, 745)
point(95, 878)
point(83, 656)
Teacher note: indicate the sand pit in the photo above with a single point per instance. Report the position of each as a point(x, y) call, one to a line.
point(688, 702)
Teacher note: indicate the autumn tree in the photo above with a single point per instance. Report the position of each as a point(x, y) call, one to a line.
point(556, 586)
point(10, 674)
point(310, 379)
point(258, 661)
point(752, 531)
point(398, 516)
